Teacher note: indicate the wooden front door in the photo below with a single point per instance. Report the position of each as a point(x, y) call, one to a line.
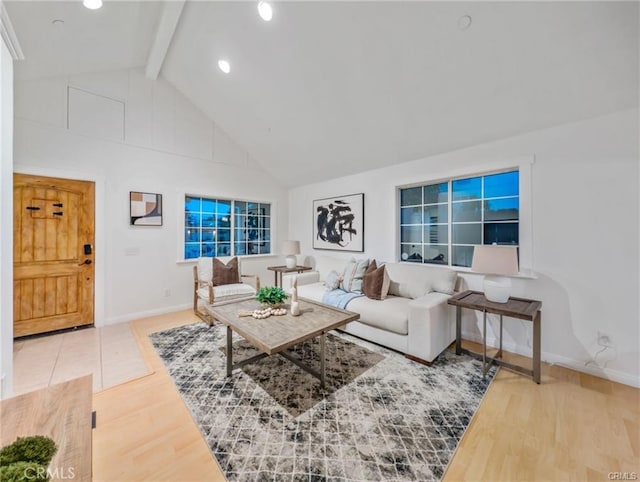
point(53, 236)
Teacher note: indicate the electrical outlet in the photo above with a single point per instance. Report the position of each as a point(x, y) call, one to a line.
point(166, 292)
point(604, 339)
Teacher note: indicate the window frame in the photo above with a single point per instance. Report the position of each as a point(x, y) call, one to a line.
point(525, 222)
point(233, 199)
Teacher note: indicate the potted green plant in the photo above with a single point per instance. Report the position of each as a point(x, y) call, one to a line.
point(271, 296)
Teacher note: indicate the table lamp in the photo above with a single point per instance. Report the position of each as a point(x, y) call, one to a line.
point(290, 249)
point(497, 263)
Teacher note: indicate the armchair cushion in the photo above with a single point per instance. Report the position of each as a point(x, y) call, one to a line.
point(225, 274)
point(206, 292)
point(227, 292)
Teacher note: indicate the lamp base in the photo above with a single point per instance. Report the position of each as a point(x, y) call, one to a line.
point(497, 288)
point(290, 261)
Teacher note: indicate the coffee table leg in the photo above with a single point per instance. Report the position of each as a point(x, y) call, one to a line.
point(229, 354)
point(322, 357)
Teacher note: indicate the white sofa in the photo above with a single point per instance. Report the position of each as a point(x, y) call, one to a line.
point(414, 319)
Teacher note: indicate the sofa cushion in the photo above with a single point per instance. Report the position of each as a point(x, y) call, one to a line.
point(376, 283)
point(444, 280)
point(312, 291)
point(414, 281)
point(407, 281)
point(225, 274)
point(392, 314)
point(353, 275)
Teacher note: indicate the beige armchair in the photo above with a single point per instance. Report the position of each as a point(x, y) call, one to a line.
point(205, 292)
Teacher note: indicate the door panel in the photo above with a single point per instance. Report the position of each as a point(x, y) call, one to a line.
point(53, 220)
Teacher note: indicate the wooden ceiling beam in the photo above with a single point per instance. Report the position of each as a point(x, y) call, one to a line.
point(164, 34)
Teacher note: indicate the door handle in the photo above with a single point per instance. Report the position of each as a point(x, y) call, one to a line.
point(86, 261)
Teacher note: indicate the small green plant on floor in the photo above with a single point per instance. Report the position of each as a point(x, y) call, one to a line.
point(23, 472)
point(271, 295)
point(27, 459)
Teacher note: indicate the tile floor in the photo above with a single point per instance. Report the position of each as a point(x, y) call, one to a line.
point(110, 353)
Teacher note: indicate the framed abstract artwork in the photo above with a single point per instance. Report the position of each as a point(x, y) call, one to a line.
point(339, 223)
point(145, 209)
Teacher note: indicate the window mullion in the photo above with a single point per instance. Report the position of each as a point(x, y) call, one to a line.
point(482, 210)
point(450, 221)
point(233, 231)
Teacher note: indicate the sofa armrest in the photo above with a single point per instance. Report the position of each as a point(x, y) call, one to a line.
point(305, 278)
point(431, 326)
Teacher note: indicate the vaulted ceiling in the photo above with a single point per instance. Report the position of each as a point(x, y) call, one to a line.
point(332, 88)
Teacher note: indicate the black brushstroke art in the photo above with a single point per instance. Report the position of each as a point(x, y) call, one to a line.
point(335, 223)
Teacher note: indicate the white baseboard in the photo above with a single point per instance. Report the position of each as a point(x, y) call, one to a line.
point(147, 314)
point(554, 359)
point(606, 373)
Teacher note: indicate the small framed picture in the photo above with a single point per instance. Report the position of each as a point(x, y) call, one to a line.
point(145, 209)
point(338, 223)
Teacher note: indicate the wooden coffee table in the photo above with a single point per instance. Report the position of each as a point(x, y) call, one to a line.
point(278, 333)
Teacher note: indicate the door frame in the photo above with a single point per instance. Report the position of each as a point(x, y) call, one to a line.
point(100, 244)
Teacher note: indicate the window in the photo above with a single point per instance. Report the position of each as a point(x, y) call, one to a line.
point(223, 227)
point(440, 223)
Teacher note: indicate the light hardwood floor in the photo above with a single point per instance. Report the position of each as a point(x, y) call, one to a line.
point(571, 427)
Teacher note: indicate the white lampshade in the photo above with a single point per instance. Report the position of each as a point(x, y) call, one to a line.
point(492, 259)
point(290, 249)
point(497, 262)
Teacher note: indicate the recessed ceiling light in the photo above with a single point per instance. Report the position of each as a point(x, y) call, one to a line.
point(265, 11)
point(92, 4)
point(224, 66)
point(464, 22)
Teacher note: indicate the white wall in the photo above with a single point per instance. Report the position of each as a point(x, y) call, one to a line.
point(158, 142)
point(6, 222)
point(584, 219)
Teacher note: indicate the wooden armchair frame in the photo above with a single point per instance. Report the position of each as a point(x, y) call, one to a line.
point(197, 284)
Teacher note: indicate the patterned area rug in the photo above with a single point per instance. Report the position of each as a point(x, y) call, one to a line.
point(382, 416)
point(297, 390)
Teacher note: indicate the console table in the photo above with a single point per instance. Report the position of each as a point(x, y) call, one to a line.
point(278, 270)
point(521, 308)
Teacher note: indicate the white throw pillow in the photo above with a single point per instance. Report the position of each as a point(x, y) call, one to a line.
point(332, 281)
point(353, 275)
